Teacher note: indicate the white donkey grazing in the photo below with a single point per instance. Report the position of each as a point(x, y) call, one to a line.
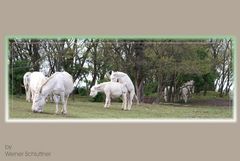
point(61, 85)
point(111, 90)
point(26, 82)
point(123, 78)
point(36, 80)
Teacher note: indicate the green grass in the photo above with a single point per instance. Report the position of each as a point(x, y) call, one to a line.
point(82, 108)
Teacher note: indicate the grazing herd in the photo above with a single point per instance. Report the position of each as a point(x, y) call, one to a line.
point(60, 85)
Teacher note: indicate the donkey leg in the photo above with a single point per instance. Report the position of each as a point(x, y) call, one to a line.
point(185, 98)
point(124, 104)
point(33, 95)
point(123, 101)
point(125, 98)
point(107, 101)
point(27, 95)
point(56, 100)
point(64, 109)
point(30, 96)
point(130, 100)
point(65, 105)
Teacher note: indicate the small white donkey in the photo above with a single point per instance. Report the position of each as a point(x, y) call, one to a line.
point(111, 90)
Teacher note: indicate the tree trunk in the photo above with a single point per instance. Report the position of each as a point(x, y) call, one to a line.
point(159, 89)
point(35, 57)
point(95, 73)
point(139, 52)
point(223, 70)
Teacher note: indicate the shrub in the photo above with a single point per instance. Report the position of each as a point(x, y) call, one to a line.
point(150, 88)
point(100, 97)
point(16, 72)
point(82, 91)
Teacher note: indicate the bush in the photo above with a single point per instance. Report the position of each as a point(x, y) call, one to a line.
point(100, 97)
point(16, 73)
point(150, 88)
point(83, 91)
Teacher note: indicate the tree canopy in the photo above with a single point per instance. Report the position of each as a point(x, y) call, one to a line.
point(151, 64)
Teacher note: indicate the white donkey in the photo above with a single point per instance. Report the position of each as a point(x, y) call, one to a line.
point(26, 82)
point(111, 90)
point(184, 93)
point(186, 90)
point(36, 80)
point(61, 85)
point(190, 85)
point(123, 78)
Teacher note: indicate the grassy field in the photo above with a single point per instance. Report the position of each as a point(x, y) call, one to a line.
point(82, 108)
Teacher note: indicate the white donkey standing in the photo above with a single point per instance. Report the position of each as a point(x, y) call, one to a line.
point(190, 86)
point(61, 85)
point(123, 78)
point(26, 82)
point(111, 90)
point(186, 90)
point(184, 94)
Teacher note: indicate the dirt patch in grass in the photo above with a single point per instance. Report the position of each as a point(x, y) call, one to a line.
point(193, 102)
point(212, 102)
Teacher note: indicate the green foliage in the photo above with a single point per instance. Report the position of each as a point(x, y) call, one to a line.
point(202, 82)
point(155, 63)
point(211, 95)
point(150, 88)
point(83, 91)
point(202, 54)
point(16, 73)
point(199, 83)
point(100, 97)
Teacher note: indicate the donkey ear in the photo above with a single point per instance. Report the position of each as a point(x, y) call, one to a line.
point(97, 87)
point(110, 72)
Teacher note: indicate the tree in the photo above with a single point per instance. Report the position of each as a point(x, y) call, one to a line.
point(139, 66)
